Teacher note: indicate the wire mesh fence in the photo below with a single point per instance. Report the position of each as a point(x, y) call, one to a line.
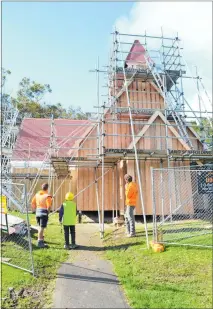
point(183, 206)
point(15, 229)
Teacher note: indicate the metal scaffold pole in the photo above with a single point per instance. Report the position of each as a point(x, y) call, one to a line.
point(102, 169)
point(113, 194)
point(28, 230)
point(116, 194)
point(97, 200)
point(163, 121)
point(135, 149)
point(98, 108)
point(87, 187)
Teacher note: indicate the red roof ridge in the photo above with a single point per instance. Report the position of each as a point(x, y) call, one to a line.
point(136, 53)
point(56, 119)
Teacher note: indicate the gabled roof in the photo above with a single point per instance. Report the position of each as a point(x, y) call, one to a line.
point(150, 121)
point(136, 53)
point(136, 57)
point(33, 140)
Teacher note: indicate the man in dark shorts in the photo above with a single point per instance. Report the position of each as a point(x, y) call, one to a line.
point(42, 203)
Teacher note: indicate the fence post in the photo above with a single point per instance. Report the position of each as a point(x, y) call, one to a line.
point(28, 229)
point(190, 191)
point(162, 194)
point(170, 192)
point(153, 207)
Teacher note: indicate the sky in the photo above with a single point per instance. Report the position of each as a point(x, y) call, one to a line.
point(193, 23)
point(57, 43)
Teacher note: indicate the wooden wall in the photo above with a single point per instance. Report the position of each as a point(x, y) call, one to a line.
point(149, 98)
point(87, 200)
point(169, 187)
point(68, 185)
point(83, 177)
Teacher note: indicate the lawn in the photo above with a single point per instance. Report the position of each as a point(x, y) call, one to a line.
point(180, 277)
point(37, 290)
point(194, 232)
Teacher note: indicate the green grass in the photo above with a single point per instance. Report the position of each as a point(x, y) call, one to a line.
point(195, 232)
point(180, 277)
point(38, 290)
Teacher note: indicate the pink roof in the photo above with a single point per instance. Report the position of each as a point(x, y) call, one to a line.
point(136, 53)
point(33, 140)
point(135, 57)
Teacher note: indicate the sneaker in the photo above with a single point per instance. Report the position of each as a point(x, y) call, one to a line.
point(67, 247)
point(73, 246)
point(41, 244)
point(131, 235)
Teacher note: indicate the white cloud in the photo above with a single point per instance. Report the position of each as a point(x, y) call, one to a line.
point(191, 20)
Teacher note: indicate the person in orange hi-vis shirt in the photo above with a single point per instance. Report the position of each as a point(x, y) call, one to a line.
point(42, 203)
point(131, 193)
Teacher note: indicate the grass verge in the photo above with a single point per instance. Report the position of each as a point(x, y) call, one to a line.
point(37, 290)
point(180, 277)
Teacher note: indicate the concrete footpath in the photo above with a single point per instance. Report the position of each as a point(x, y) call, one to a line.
point(88, 281)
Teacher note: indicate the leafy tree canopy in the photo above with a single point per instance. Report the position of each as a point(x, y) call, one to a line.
point(30, 101)
point(205, 131)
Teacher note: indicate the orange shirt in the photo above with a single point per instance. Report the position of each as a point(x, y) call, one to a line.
point(131, 193)
point(42, 200)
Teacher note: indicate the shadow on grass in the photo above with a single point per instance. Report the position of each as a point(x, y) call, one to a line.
point(21, 241)
point(120, 235)
point(188, 247)
point(190, 230)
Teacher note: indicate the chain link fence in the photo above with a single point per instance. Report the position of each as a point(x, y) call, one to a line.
point(15, 228)
point(183, 206)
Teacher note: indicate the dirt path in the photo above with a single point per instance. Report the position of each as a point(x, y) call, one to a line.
point(86, 280)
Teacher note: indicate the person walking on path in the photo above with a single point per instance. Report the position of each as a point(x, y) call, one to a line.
point(131, 193)
point(67, 214)
point(42, 203)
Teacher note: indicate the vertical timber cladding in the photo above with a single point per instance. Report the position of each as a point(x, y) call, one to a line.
point(145, 174)
point(69, 184)
point(122, 170)
point(153, 138)
point(87, 200)
point(171, 187)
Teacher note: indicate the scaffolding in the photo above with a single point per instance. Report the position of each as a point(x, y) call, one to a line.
point(9, 119)
point(146, 85)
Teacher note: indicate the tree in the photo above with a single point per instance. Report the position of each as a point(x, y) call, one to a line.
point(30, 101)
point(76, 113)
point(205, 131)
point(56, 110)
point(4, 73)
point(5, 98)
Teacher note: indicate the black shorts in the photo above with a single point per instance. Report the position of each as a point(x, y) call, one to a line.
point(42, 221)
